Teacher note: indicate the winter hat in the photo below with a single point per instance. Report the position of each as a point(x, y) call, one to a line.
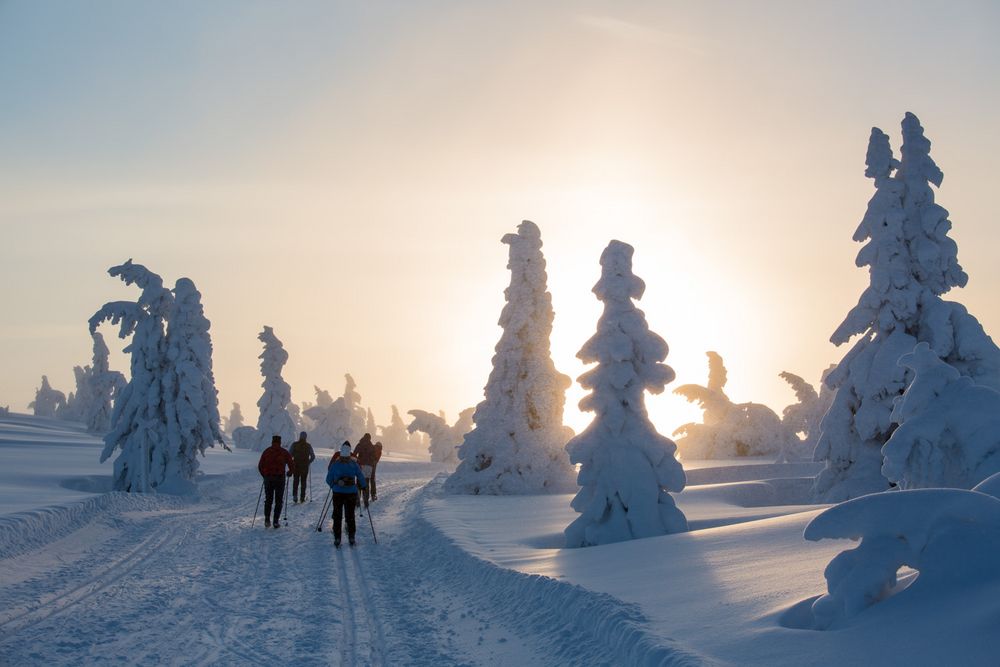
point(302, 435)
point(345, 449)
point(275, 439)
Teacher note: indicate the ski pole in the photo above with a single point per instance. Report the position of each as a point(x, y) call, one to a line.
point(309, 474)
point(286, 500)
point(258, 503)
point(371, 524)
point(322, 515)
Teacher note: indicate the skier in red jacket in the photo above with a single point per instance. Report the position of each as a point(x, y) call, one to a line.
point(274, 461)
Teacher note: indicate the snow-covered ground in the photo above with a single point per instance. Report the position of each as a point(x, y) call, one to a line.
point(92, 577)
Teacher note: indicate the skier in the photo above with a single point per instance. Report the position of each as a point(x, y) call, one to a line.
point(367, 456)
point(302, 454)
point(273, 462)
point(378, 457)
point(344, 476)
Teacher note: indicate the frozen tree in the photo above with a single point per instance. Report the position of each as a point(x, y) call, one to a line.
point(728, 429)
point(336, 421)
point(47, 400)
point(273, 403)
point(949, 427)
point(138, 423)
point(444, 439)
point(626, 467)
point(295, 412)
point(801, 420)
point(370, 425)
point(104, 386)
point(191, 401)
point(912, 262)
point(76, 402)
point(395, 436)
point(5, 411)
point(235, 420)
point(244, 437)
point(517, 443)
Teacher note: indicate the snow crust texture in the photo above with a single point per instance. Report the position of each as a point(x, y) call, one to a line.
point(626, 467)
point(950, 536)
point(912, 261)
point(517, 443)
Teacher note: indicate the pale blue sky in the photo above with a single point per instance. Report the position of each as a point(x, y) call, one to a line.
point(343, 172)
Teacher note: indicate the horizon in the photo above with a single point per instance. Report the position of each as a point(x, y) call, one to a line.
point(344, 175)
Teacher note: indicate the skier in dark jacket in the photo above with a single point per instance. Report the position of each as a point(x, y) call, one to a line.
point(368, 456)
point(302, 454)
point(273, 462)
point(344, 476)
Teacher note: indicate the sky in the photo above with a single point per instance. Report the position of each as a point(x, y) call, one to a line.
point(343, 172)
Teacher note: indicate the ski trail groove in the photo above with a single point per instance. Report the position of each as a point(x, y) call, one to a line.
point(349, 638)
point(372, 623)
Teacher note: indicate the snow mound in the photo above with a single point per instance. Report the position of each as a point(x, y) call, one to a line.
point(950, 536)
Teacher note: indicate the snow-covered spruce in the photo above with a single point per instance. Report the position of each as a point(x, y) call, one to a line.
point(370, 425)
point(912, 262)
point(395, 436)
point(517, 443)
point(801, 420)
point(273, 403)
point(340, 420)
point(444, 439)
point(950, 536)
point(47, 400)
point(626, 467)
point(189, 393)
point(138, 422)
point(728, 429)
point(104, 385)
point(235, 419)
point(949, 428)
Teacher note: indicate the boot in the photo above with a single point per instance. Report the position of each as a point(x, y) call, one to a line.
point(267, 522)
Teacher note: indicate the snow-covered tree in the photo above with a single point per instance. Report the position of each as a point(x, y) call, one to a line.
point(76, 402)
point(949, 427)
point(47, 400)
point(104, 386)
point(273, 403)
point(801, 420)
point(444, 439)
point(728, 429)
point(138, 423)
point(912, 262)
point(370, 425)
point(244, 437)
point(4, 411)
point(626, 467)
point(235, 420)
point(191, 401)
point(517, 443)
point(340, 420)
point(395, 436)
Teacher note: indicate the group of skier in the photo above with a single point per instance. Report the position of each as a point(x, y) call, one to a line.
point(350, 475)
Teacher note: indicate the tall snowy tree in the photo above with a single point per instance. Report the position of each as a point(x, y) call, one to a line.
point(191, 401)
point(47, 400)
point(801, 419)
point(76, 402)
point(370, 425)
point(340, 420)
point(444, 439)
point(728, 429)
point(104, 385)
point(912, 262)
point(949, 427)
point(517, 443)
point(235, 420)
point(395, 436)
point(138, 423)
point(626, 467)
point(273, 403)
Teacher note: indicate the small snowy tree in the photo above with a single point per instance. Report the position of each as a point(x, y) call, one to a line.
point(235, 420)
point(191, 401)
point(273, 403)
point(47, 400)
point(76, 402)
point(728, 429)
point(444, 439)
point(395, 436)
point(626, 467)
point(104, 385)
point(370, 425)
point(340, 420)
point(138, 423)
point(912, 262)
point(949, 428)
point(801, 420)
point(517, 443)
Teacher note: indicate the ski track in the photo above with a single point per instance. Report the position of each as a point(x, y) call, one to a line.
point(191, 583)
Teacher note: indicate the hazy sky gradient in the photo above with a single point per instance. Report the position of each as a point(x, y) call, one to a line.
point(343, 172)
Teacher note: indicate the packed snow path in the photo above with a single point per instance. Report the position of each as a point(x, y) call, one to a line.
point(166, 581)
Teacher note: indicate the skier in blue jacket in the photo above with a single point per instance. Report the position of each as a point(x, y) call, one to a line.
point(344, 476)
